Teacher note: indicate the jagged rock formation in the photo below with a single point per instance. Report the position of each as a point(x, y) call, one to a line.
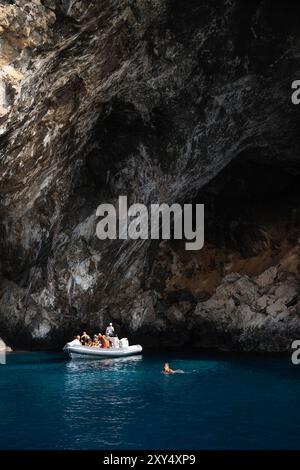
point(256, 314)
point(152, 99)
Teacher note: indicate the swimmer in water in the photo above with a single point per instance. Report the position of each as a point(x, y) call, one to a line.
point(167, 369)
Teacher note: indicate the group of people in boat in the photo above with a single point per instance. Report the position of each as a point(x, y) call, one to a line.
point(104, 341)
point(98, 340)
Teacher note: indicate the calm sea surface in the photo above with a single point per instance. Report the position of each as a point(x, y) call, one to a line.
point(219, 402)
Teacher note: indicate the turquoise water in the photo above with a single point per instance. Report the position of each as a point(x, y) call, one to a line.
point(220, 402)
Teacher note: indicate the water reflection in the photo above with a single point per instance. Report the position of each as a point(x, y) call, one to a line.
point(102, 397)
point(78, 364)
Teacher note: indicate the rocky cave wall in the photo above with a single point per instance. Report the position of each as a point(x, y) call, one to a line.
point(164, 101)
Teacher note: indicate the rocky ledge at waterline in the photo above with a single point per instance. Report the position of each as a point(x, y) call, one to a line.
point(251, 314)
point(154, 100)
point(3, 347)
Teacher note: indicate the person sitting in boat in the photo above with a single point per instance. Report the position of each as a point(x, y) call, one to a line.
point(84, 338)
point(95, 341)
point(99, 336)
point(167, 369)
point(110, 331)
point(104, 342)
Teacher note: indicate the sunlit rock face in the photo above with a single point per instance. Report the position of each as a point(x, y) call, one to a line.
point(153, 100)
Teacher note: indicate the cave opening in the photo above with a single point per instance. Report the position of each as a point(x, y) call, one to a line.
point(252, 222)
point(248, 197)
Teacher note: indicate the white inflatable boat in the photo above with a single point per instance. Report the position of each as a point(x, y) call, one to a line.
point(77, 351)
